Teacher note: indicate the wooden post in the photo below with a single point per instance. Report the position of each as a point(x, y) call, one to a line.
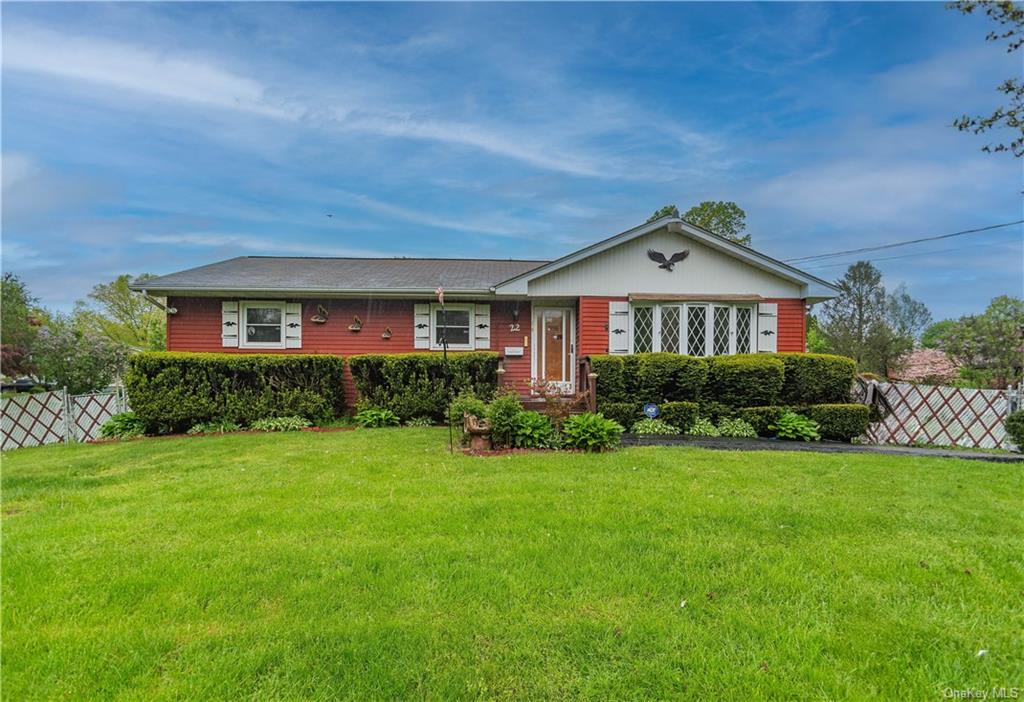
point(592, 391)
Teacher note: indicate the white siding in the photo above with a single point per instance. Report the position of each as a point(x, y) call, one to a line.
point(626, 269)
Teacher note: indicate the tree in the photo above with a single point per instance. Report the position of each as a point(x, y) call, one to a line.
point(932, 337)
point(123, 315)
point(907, 316)
point(666, 211)
point(1010, 18)
point(74, 355)
point(873, 328)
point(847, 320)
point(991, 345)
point(726, 219)
point(19, 323)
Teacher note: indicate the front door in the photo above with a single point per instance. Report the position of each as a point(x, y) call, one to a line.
point(554, 347)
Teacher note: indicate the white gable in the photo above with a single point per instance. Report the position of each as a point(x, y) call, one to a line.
point(625, 268)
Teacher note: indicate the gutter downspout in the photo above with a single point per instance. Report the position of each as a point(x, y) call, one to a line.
point(153, 301)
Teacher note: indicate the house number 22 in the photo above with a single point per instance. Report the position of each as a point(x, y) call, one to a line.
point(513, 327)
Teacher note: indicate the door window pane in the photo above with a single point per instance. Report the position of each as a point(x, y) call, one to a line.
point(556, 346)
point(643, 329)
point(696, 330)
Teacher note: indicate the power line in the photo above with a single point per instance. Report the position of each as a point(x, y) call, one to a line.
point(913, 255)
point(902, 243)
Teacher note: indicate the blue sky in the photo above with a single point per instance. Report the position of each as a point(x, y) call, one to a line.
point(154, 137)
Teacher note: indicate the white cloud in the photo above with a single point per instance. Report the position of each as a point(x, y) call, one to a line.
point(126, 67)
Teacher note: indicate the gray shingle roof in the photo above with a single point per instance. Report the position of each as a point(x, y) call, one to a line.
point(270, 273)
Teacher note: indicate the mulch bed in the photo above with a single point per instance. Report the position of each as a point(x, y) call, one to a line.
point(738, 444)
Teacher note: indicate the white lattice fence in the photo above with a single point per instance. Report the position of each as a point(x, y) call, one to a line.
point(943, 416)
point(34, 419)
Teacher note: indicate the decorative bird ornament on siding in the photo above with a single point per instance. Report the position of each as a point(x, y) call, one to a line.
point(667, 263)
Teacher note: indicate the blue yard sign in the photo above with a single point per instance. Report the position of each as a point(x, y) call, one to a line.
point(651, 410)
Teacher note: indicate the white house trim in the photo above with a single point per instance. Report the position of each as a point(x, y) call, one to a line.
point(812, 288)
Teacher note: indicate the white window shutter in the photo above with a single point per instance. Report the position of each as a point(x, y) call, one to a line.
point(482, 327)
point(421, 326)
point(229, 324)
point(767, 327)
point(618, 327)
point(293, 325)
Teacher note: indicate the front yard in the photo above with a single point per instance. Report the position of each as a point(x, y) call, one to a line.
point(374, 565)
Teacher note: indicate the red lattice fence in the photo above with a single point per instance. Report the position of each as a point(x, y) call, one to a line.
point(34, 419)
point(943, 416)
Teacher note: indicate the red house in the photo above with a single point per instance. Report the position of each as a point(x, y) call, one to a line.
point(663, 286)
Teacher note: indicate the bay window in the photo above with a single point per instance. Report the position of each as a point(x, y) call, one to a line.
point(694, 328)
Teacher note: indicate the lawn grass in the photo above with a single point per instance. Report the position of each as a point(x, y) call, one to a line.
point(374, 565)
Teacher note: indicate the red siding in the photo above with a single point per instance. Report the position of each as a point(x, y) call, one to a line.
point(197, 327)
point(792, 324)
point(593, 325)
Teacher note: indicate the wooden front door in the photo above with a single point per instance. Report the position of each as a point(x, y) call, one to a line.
point(555, 347)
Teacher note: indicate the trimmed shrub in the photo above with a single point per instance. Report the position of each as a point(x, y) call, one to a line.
point(760, 418)
point(591, 432)
point(654, 426)
point(745, 380)
point(467, 403)
point(625, 413)
point(679, 414)
point(124, 425)
point(280, 424)
point(795, 426)
point(840, 422)
point(413, 384)
point(649, 377)
point(737, 428)
point(377, 417)
point(502, 413)
point(715, 411)
point(816, 378)
point(703, 427)
point(1015, 428)
point(173, 391)
point(534, 430)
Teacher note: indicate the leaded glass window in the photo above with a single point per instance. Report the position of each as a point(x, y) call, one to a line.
point(696, 330)
point(643, 329)
point(670, 329)
point(720, 338)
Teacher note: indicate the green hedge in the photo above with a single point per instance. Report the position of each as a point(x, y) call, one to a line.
point(839, 422)
point(625, 413)
point(412, 384)
point(729, 381)
point(1015, 429)
point(649, 377)
point(172, 391)
point(762, 417)
point(680, 414)
point(836, 422)
point(816, 378)
point(745, 380)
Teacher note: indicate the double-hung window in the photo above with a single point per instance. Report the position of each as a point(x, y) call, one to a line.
point(454, 323)
point(694, 328)
point(262, 325)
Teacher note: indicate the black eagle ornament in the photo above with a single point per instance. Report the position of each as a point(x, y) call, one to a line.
point(667, 263)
